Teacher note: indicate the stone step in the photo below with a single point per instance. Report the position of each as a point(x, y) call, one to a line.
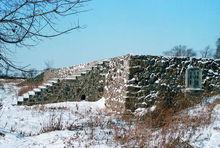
point(88, 69)
point(20, 98)
point(69, 78)
point(99, 62)
point(52, 81)
point(83, 72)
point(25, 96)
point(76, 75)
point(103, 74)
point(47, 84)
point(106, 60)
point(72, 77)
point(37, 90)
point(31, 93)
point(42, 87)
point(94, 67)
point(55, 79)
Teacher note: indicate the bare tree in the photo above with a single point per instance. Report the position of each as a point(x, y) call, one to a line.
point(206, 52)
point(180, 51)
point(23, 22)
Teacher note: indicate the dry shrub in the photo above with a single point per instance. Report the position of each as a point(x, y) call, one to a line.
point(38, 80)
point(165, 130)
point(135, 134)
point(217, 101)
point(166, 125)
point(53, 124)
point(30, 84)
point(177, 124)
point(211, 106)
point(169, 123)
point(39, 107)
point(12, 80)
point(178, 143)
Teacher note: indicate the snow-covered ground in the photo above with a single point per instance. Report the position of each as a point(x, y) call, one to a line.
point(207, 136)
point(85, 124)
point(68, 124)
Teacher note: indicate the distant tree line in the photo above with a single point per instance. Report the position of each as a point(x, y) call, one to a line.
point(184, 51)
point(180, 51)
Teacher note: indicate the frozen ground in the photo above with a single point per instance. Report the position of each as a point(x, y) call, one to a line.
point(82, 124)
point(68, 124)
point(207, 136)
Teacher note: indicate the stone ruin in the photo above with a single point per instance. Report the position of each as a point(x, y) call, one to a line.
point(82, 82)
point(127, 82)
point(138, 81)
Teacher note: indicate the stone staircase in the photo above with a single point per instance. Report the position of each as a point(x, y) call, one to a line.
point(70, 84)
point(28, 97)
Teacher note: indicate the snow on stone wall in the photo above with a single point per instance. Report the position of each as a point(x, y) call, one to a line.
point(149, 76)
point(115, 85)
point(81, 84)
point(131, 81)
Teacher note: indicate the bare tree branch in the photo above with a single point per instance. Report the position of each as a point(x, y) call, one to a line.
point(22, 21)
point(206, 52)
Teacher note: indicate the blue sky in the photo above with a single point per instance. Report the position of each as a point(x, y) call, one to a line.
point(118, 27)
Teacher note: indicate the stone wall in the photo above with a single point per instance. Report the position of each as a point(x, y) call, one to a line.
point(152, 76)
point(88, 85)
point(127, 82)
point(115, 84)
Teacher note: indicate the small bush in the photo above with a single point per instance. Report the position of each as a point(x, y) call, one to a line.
point(53, 124)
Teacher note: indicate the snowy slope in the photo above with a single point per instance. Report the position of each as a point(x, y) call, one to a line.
point(208, 136)
point(82, 124)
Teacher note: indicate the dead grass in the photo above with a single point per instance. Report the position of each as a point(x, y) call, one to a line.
point(163, 130)
point(3, 81)
point(39, 107)
point(166, 126)
point(55, 123)
point(25, 89)
point(211, 106)
point(30, 83)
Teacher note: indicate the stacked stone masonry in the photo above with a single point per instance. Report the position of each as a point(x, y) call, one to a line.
point(116, 83)
point(86, 84)
point(127, 82)
point(149, 74)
